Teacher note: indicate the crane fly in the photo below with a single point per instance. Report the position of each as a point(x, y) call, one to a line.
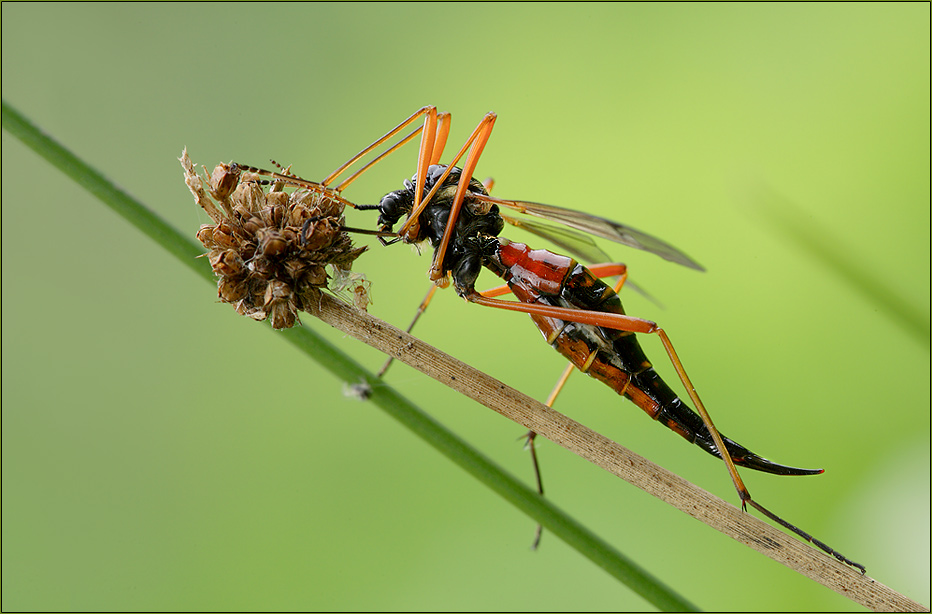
point(578, 314)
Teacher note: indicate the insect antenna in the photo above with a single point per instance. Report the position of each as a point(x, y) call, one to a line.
point(367, 231)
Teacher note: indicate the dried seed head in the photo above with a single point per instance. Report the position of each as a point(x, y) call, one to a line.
point(232, 290)
point(271, 242)
point(227, 263)
point(223, 181)
point(271, 249)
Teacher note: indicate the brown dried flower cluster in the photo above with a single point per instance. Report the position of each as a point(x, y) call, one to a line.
point(270, 248)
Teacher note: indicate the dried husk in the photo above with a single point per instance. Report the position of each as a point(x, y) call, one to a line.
point(271, 249)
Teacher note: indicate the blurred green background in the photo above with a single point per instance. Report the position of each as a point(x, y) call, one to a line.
point(162, 453)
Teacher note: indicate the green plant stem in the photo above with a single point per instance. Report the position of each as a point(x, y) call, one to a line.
point(341, 365)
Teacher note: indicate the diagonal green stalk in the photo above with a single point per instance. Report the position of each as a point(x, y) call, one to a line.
point(344, 367)
point(826, 247)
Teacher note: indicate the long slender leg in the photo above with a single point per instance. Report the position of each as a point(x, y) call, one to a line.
point(433, 138)
point(706, 418)
point(599, 270)
point(474, 144)
point(809, 538)
point(483, 132)
point(429, 111)
point(416, 212)
point(531, 437)
point(443, 129)
point(637, 325)
point(609, 269)
point(444, 121)
point(425, 153)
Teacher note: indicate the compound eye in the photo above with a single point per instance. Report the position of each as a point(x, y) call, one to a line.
point(392, 206)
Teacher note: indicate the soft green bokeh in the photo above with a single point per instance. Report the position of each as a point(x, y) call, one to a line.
point(160, 452)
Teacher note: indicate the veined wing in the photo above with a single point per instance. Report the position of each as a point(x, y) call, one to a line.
point(573, 242)
point(598, 226)
point(577, 243)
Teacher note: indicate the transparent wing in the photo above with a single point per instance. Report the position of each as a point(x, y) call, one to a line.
point(598, 226)
point(578, 244)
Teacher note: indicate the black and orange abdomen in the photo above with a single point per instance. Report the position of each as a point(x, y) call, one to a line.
point(611, 356)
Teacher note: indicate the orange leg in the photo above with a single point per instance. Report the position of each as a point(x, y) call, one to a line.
point(430, 125)
point(483, 132)
point(416, 211)
point(635, 325)
point(609, 269)
point(443, 129)
point(433, 133)
point(474, 144)
point(599, 270)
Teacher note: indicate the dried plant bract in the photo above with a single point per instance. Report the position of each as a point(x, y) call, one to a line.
point(270, 248)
